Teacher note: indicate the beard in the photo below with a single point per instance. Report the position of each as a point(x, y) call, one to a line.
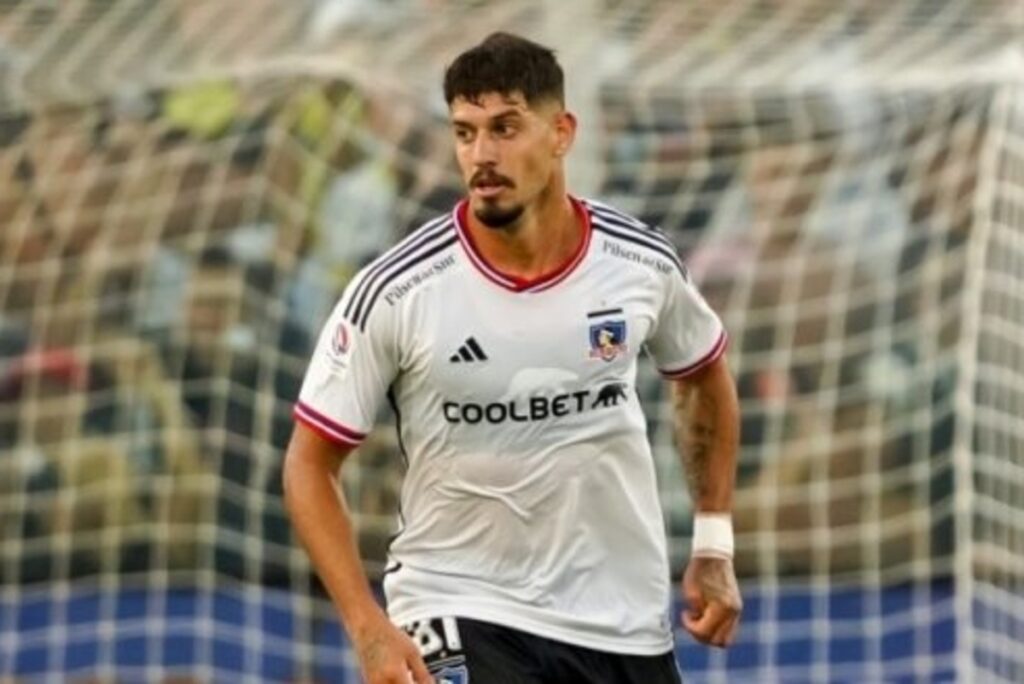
point(494, 216)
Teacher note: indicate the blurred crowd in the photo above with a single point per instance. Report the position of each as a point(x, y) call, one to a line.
point(167, 262)
point(168, 256)
point(834, 252)
point(168, 259)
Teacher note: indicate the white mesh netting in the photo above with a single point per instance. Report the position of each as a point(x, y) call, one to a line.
point(186, 185)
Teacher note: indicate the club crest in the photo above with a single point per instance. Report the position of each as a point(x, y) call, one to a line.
point(607, 340)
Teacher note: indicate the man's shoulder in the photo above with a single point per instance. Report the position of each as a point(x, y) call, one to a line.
point(601, 209)
point(439, 230)
point(424, 253)
point(627, 238)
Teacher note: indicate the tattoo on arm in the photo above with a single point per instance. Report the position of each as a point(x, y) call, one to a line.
point(697, 426)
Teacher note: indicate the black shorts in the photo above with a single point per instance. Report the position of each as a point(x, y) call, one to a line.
point(463, 651)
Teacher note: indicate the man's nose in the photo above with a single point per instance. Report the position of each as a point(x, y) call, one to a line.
point(485, 151)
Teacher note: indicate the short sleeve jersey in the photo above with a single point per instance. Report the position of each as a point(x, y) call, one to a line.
point(530, 497)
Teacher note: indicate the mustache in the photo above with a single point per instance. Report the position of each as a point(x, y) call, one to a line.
point(490, 178)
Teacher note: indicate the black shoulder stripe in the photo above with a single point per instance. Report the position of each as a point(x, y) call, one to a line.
point(417, 238)
point(396, 266)
point(611, 212)
point(640, 228)
point(429, 250)
point(421, 236)
point(632, 237)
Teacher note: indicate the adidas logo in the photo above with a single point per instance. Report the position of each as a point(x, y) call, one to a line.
point(469, 351)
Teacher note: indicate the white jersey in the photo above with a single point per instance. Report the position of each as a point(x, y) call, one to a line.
point(530, 497)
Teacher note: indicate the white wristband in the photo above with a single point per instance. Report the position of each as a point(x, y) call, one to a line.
point(712, 535)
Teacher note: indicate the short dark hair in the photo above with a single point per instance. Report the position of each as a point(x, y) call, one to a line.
point(505, 63)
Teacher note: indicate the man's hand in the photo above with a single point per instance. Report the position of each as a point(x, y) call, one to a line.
point(713, 603)
point(388, 656)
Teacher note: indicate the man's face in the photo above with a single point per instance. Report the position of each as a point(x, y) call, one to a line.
point(508, 152)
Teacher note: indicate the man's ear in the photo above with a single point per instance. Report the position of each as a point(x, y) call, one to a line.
point(565, 132)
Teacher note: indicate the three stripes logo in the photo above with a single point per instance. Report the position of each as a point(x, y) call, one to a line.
point(468, 352)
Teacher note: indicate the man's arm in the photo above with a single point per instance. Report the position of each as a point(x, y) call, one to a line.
point(707, 428)
point(316, 506)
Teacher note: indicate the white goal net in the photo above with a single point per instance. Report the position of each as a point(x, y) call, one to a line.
point(186, 186)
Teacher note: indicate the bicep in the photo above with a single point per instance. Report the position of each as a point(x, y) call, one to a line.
point(707, 396)
point(715, 378)
point(308, 447)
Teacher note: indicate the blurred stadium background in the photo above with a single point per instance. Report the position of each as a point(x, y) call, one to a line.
point(186, 185)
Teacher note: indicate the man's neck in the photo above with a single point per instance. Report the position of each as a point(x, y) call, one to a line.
point(544, 238)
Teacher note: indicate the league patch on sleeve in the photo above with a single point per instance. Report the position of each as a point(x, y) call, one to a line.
point(341, 340)
point(340, 345)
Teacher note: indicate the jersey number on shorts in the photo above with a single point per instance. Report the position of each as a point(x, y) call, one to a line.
point(439, 636)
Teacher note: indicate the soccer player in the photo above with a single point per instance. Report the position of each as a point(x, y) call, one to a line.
point(505, 336)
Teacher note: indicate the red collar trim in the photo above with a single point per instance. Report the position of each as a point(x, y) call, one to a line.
point(518, 283)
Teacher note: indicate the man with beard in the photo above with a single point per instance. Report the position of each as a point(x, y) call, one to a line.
point(505, 335)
